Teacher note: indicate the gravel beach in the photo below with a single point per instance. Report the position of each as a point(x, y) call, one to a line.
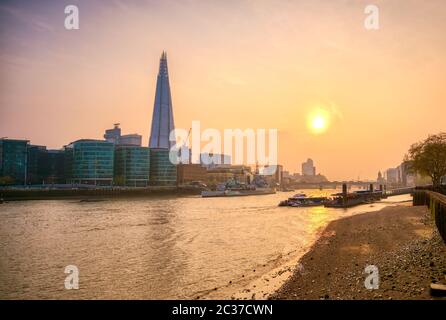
point(401, 241)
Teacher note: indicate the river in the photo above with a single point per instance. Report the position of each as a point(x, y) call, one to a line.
point(155, 248)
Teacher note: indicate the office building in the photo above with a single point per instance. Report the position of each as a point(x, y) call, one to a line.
point(90, 161)
point(162, 171)
point(131, 166)
point(187, 173)
point(36, 164)
point(392, 176)
point(13, 161)
point(308, 168)
point(114, 136)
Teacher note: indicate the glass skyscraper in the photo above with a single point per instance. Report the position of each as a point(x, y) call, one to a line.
point(162, 171)
point(162, 117)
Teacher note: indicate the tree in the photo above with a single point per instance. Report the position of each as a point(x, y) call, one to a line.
point(428, 157)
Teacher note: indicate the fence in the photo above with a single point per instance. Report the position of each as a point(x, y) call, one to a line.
point(436, 202)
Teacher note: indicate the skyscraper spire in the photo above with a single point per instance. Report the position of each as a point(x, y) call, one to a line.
point(162, 118)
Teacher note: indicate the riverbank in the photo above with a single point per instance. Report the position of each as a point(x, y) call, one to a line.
point(401, 241)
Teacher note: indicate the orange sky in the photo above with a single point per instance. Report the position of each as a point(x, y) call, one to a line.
point(232, 64)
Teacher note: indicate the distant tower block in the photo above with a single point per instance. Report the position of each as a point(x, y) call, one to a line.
point(162, 118)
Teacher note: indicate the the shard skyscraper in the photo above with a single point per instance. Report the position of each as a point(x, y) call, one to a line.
point(162, 171)
point(162, 118)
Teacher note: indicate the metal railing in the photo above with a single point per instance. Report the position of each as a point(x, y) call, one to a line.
point(436, 202)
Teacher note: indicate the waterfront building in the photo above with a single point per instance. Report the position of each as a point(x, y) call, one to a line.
point(45, 166)
point(13, 161)
point(273, 175)
point(162, 171)
point(36, 164)
point(132, 139)
point(90, 161)
point(223, 173)
point(406, 178)
point(308, 168)
point(114, 136)
point(187, 173)
point(54, 167)
point(162, 117)
point(131, 166)
point(392, 176)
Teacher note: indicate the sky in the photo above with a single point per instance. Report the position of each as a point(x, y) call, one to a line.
point(232, 64)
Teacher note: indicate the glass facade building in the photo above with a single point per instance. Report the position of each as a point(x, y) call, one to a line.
point(162, 171)
point(13, 161)
point(53, 169)
point(132, 165)
point(45, 166)
point(36, 164)
point(90, 162)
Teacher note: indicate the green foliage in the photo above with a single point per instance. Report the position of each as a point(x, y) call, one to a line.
point(428, 157)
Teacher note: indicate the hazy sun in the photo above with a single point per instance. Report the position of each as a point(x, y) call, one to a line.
point(318, 121)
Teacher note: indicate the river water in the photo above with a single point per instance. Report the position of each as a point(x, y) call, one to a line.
point(156, 248)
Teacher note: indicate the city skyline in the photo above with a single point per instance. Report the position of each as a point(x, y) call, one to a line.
point(379, 91)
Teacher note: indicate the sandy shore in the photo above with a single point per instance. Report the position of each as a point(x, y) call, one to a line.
point(400, 240)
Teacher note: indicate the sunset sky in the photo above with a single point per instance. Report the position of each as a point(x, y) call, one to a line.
point(232, 64)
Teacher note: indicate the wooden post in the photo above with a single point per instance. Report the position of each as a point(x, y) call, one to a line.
point(344, 194)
